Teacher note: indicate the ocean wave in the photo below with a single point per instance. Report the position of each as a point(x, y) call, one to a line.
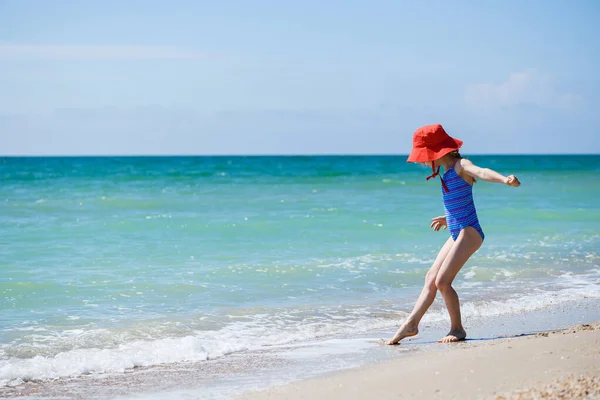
point(51, 355)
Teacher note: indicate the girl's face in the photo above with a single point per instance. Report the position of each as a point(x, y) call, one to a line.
point(425, 164)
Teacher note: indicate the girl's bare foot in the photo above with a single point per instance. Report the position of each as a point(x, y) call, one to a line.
point(404, 331)
point(454, 336)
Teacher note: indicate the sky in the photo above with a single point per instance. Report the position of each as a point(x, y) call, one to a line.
point(146, 77)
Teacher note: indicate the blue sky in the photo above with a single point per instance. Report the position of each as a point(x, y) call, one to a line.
point(297, 77)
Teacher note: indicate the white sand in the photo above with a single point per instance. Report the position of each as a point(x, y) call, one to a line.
point(514, 368)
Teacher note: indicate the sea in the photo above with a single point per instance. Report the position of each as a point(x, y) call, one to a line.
point(205, 277)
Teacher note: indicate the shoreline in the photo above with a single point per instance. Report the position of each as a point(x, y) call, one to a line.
point(508, 368)
point(273, 368)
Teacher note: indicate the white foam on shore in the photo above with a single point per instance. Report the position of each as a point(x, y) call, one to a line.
point(101, 350)
point(567, 288)
point(85, 361)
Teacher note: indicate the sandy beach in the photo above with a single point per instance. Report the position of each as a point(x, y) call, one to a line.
point(559, 364)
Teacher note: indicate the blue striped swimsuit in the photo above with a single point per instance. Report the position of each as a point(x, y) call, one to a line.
point(459, 207)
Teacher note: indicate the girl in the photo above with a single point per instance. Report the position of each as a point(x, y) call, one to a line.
point(433, 146)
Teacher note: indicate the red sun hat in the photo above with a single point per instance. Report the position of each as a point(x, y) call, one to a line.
point(431, 142)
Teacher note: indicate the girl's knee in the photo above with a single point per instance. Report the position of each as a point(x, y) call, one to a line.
point(430, 279)
point(442, 284)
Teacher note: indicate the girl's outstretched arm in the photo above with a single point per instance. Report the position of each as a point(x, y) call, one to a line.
point(488, 175)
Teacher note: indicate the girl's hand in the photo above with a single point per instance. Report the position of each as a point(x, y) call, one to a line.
point(438, 222)
point(512, 180)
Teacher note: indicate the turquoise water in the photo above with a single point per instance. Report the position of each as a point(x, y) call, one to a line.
point(111, 263)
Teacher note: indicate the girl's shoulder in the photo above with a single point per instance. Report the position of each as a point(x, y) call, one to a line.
point(458, 165)
point(461, 163)
point(459, 168)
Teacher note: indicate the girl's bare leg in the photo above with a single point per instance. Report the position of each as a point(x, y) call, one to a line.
point(467, 243)
point(426, 298)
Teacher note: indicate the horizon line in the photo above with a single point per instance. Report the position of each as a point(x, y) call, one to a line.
point(272, 155)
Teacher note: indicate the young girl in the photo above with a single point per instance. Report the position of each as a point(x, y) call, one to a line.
point(433, 146)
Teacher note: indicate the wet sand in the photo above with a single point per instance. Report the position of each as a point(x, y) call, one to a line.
point(559, 364)
point(554, 364)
